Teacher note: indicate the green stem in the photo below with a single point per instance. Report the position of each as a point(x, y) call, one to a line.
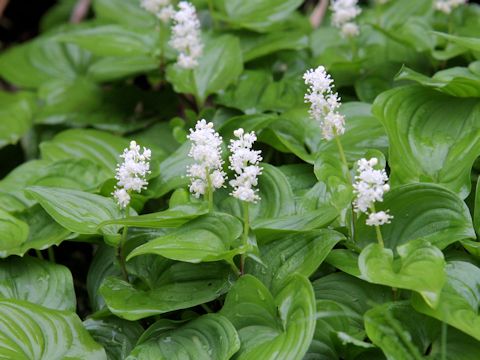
point(39, 254)
point(444, 341)
point(246, 227)
point(378, 231)
point(206, 308)
point(209, 193)
point(51, 254)
point(162, 45)
point(343, 158)
point(121, 250)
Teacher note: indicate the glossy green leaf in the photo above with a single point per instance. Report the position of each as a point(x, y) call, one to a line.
point(440, 147)
point(438, 216)
point(209, 337)
point(81, 174)
point(302, 136)
point(466, 42)
point(455, 81)
point(117, 67)
point(14, 233)
point(181, 286)
point(112, 40)
point(420, 267)
point(207, 238)
point(34, 63)
point(102, 266)
point(117, 336)
point(128, 13)
point(459, 346)
point(172, 217)
point(77, 211)
point(301, 253)
point(12, 196)
point(99, 147)
point(219, 67)
point(459, 300)
point(43, 231)
point(256, 15)
point(16, 116)
point(37, 281)
point(269, 325)
point(388, 332)
point(254, 46)
point(29, 331)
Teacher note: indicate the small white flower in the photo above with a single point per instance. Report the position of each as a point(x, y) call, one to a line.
point(369, 187)
point(344, 12)
point(162, 9)
point(186, 37)
point(244, 162)
point(131, 173)
point(447, 6)
point(324, 102)
point(379, 218)
point(206, 151)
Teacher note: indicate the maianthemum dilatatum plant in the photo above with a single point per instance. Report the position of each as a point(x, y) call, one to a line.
point(242, 179)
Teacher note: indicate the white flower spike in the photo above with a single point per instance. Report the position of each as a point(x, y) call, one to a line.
point(324, 102)
point(162, 9)
point(206, 151)
point(186, 36)
point(369, 187)
point(447, 6)
point(131, 173)
point(244, 162)
point(344, 14)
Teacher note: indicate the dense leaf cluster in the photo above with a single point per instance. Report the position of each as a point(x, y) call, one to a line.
point(316, 285)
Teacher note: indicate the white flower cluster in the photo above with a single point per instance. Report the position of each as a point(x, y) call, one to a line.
point(186, 37)
point(206, 151)
point(344, 14)
point(162, 9)
point(369, 187)
point(131, 173)
point(244, 162)
point(324, 102)
point(447, 6)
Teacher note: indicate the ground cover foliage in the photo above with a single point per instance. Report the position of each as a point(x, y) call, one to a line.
point(295, 275)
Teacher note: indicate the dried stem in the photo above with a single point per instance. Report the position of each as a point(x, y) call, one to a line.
point(3, 6)
point(318, 13)
point(80, 11)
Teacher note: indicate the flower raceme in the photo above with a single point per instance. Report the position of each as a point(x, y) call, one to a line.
point(369, 187)
point(131, 173)
point(206, 151)
point(162, 9)
point(244, 162)
point(344, 12)
point(186, 37)
point(324, 102)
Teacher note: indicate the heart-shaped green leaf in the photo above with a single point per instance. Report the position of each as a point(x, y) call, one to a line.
point(99, 147)
point(301, 253)
point(171, 218)
point(459, 300)
point(385, 325)
point(29, 331)
point(272, 325)
point(209, 337)
point(180, 286)
point(77, 211)
point(433, 137)
point(14, 233)
point(207, 238)
point(420, 267)
point(53, 283)
point(438, 216)
point(455, 81)
point(117, 336)
point(219, 67)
